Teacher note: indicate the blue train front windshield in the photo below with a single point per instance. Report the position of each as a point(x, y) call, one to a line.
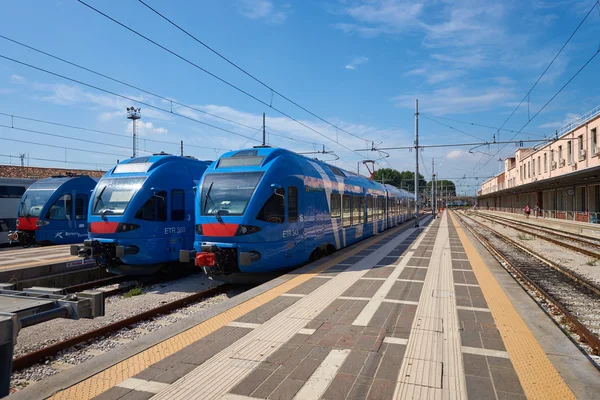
point(113, 195)
point(33, 201)
point(228, 194)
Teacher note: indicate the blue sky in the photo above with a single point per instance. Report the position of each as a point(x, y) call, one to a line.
point(357, 64)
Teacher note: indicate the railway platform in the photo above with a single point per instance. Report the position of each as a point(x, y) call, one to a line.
point(19, 264)
point(412, 313)
point(580, 228)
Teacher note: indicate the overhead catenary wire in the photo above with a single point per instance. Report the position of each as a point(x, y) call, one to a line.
point(126, 84)
point(121, 96)
point(451, 127)
point(477, 124)
point(527, 95)
point(546, 104)
point(105, 132)
point(63, 147)
point(215, 76)
point(165, 98)
point(58, 161)
point(246, 72)
point(71, 138)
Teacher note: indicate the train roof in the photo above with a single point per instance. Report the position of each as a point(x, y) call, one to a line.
point(55, 182)
point(145, 164)
point(258, 158)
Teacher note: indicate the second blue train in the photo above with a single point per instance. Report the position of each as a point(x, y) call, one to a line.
point(263, 210)
point(141, 214)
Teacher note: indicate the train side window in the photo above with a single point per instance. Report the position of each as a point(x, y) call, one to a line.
point(155, 208)
point(355, 210)
point(292, 203)
point(336, 205)
point(369, 208)
point(13, 192)
point(61, 209)
point(81, 203)
point(346, 211)
point(273, 210)
point(361, 209)
point(177, 205)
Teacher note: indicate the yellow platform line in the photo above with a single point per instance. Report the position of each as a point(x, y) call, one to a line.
point(112, 376)
point(538, 376)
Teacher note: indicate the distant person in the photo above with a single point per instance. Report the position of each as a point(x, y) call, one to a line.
point(527, 211)
point(536, 210)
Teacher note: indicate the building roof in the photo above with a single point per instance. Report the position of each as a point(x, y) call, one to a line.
point(16, 171)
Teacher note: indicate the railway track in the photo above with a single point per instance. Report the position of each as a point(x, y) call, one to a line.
point(571, 241)
point(37, 356)
point(572, 295)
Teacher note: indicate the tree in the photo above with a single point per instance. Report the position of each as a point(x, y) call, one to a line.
point(448, 186)
point(402, 180)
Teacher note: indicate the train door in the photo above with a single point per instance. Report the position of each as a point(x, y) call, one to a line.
point(294, 232)
point(178, 216)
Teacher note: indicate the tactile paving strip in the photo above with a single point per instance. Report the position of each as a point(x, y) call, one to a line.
point(538, 377)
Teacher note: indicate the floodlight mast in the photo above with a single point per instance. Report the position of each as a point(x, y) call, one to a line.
point(134, 114)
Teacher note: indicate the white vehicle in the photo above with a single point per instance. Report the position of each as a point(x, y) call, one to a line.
point(11, 191)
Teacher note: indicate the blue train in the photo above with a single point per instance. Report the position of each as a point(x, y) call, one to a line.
point(54, 211)
point(268, 209)
point(142, 214)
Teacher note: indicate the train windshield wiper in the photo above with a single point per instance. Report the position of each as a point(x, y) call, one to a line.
point(23, 206)
point(215, 212)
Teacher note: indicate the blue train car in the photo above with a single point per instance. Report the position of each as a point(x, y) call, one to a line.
point(267, 209)
point(142, 214)
point(54, 211)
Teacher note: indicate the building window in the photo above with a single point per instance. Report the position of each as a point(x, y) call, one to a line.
point(529, 169)
point(560, 155)
point(335, 209)
point(533, 167)
point(581, 148)
point(594, 142)
point(569, 152)
point(292, 203)
point(545, 162)
point(539, 166)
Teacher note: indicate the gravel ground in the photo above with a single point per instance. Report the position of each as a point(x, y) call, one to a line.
point(117, 308)
point(564, 257)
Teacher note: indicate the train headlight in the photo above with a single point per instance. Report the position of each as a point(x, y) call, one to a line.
point(40, 222)
point(127, 227)
point(246, 230)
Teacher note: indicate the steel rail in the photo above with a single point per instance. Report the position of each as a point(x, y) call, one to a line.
point(520, 228)
point(584, 333)
point(34, 357)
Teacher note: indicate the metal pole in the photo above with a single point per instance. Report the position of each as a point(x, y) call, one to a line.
point(181, 148)
point(134, 138)
point(416, 162)
point(264, 135)
point(433, 190)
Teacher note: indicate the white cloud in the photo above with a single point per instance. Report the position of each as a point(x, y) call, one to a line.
point(558, 124)
point(356, 62)
point(456, 99)
point(435, 76)
point(454, 154)
point(17, 79)
point(263, 9)
point(146, 129)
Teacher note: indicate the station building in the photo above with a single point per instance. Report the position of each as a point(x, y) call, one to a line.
point(561, 177)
